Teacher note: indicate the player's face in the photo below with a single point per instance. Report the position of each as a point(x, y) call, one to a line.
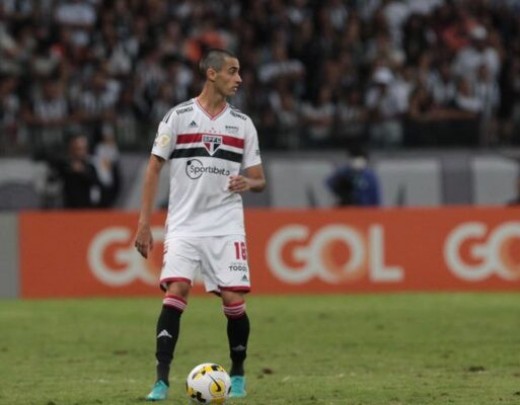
point(228, 78)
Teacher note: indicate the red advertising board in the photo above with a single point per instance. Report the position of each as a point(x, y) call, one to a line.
point(309, 251)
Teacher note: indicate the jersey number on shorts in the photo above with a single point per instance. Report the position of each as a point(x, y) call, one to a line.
point(240, 250)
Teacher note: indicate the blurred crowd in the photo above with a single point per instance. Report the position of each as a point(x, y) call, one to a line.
point(316, 74)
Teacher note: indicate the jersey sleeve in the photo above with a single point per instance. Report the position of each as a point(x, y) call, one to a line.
point(251, 148)
point(165, 138)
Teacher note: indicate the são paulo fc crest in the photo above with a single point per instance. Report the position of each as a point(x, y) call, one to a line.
point(212, 143)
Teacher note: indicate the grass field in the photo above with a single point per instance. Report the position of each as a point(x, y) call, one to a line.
point(359, 349)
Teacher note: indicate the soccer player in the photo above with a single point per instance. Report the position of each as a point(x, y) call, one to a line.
point(214, 154)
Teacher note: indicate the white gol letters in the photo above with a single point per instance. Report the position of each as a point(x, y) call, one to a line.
point(314, 254)
point(492, 259)
point(134, 265)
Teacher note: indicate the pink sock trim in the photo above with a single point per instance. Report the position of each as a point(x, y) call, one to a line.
point(175, 302)
point(235, 310)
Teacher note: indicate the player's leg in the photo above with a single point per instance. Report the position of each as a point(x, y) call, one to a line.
point(179, 267)
point(238, 335)
point(168, 326)
point(167, 333)
point(237, 329)
point(226, 272)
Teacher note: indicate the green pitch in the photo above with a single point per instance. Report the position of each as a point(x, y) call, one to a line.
point(415, 349)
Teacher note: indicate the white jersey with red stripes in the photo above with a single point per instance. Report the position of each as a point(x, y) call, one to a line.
point(205, 151)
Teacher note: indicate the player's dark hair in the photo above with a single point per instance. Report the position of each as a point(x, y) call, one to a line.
point(213, 58)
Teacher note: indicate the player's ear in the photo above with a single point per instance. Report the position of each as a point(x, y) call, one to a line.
point(211, 74)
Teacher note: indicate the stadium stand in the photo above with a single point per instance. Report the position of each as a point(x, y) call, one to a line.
point(388, 74)
point(423, 72)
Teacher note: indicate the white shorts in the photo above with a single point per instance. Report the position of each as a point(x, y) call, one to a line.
point(221, 261)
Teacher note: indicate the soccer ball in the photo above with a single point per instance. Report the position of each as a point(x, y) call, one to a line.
point(208, 383)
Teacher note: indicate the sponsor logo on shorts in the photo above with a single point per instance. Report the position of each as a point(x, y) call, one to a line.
point(195, 169)
point(237, 267)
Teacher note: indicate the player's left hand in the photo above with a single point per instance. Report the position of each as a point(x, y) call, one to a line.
point(144, 240)
point(238, 184)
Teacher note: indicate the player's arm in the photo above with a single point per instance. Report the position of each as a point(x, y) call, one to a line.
point(143, 238)
point(254, 180)
point(254, 177)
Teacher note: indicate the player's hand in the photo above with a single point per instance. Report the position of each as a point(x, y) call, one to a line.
point(238, 184)
point(144, 240)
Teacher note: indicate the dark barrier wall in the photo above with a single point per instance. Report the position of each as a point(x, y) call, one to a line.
point(9, 269)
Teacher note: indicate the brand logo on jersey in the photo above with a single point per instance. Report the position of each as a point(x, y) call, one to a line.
point(193, 124)
point(195, 168)
point(212, 143)
point(184, 110)
point(237, 115)
point(232, 129)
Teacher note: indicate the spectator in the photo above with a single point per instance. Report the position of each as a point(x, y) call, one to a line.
point(466, 100)
point(488, 92)
point(179, 75)
point(48, 115)
point(129, 129)
point(162, 102)
point(355, 183)
point(384, 112)
point(382, 49)
point(280, 66)
point(287, 110)
point(509, 111)
point(106, 162)
point(477, 53)
point(9, 113)
point(516, 200)
point(419, 129)
point(442, 85)
point(318, 119)
point(415, 38)
point(80, 183)
point(97, 101)
point(396, 13)
point(78, 16)
point(351, 119)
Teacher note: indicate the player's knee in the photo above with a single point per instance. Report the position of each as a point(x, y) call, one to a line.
point(231, 297)
point(179, 289)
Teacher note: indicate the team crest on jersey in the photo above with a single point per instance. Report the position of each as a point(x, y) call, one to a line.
point(212, 143)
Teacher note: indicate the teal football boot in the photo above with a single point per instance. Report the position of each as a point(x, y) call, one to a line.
point(238, 387)
point(159, 392)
